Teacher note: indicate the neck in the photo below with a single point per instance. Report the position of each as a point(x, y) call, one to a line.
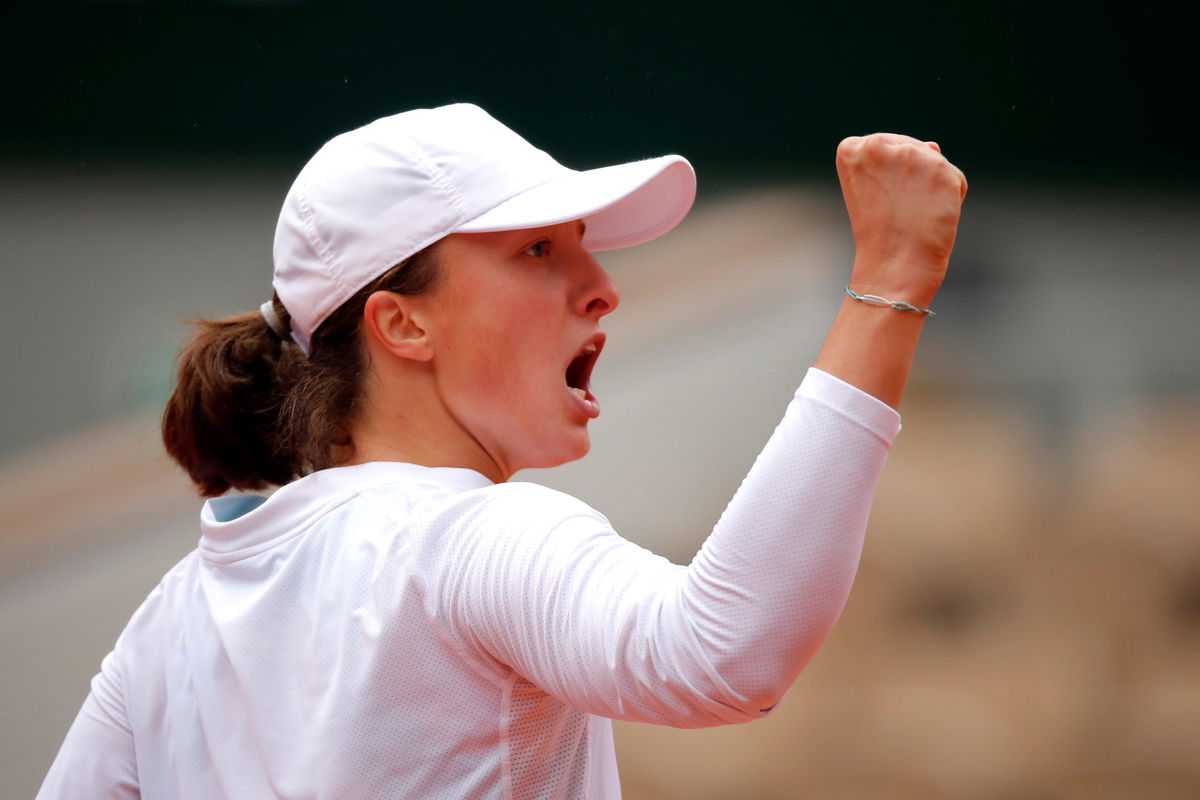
point(402, 418)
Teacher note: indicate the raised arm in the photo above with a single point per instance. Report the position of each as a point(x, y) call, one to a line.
point(903, 198)
point(609, 628)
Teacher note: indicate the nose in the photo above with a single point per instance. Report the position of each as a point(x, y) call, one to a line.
point(599, 295)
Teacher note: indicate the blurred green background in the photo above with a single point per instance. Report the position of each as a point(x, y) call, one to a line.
point(1090, 91)
point(1027, 618)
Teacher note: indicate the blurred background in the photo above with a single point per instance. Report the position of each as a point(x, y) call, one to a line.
point(1026, 623)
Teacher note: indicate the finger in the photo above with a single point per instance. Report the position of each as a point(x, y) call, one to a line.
point(894, 139)
point(849, 146)
point(935, 146)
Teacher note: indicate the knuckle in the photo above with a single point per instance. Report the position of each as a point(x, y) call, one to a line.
point(875, 148)
point(874, 141)
point(849, 147)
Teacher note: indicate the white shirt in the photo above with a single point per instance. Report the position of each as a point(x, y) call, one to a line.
point(389, 630)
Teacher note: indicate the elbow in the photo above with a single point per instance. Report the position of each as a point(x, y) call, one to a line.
point(733, 708)
point(757, 682)
point(757, 699)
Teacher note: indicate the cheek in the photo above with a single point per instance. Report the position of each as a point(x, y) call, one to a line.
point(503, 347)
point(495, 378)
point(502, 360)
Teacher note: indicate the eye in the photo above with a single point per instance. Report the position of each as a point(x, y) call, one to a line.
point(539, 249)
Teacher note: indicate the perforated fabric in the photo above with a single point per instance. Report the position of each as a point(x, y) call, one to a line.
point(389, 630)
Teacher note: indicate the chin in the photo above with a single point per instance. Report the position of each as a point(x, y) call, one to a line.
point(574, 448)
point(582, 446)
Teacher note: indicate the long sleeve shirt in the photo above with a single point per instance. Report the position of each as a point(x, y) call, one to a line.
point(391, 630)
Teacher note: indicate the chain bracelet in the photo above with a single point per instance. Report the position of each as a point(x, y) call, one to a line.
point(876, 300)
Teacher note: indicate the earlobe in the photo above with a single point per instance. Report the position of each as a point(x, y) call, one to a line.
point(388, 321)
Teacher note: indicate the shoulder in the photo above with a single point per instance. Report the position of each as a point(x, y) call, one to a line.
point(408, 502)
point(158, 618)
point(507, 525)
point(533, 501)
point(163, 601)
point(524, 510)
point(440, 525)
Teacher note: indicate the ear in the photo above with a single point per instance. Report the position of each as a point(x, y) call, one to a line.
point(388, 321)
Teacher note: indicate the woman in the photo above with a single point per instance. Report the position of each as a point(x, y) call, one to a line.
point(399, 621)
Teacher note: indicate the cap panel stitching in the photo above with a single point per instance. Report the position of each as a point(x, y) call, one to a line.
point(393, 256)
point(326, 255)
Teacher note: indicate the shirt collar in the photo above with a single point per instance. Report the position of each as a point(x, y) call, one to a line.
point(239, 525)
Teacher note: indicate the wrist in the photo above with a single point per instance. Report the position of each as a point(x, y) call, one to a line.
point(913, 281)
point(872, 348)
point(887, 302)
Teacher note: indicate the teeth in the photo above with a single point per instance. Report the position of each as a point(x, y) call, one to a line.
point(581, 392)
point(591, 348)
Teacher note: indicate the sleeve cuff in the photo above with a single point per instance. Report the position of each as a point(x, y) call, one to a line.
point(870, 412)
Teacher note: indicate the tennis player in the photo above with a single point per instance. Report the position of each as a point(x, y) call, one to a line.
point(397, 620)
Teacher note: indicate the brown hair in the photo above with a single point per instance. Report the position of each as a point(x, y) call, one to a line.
point(251, 411)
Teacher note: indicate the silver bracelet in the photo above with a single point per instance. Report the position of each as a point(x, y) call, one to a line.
point(876, 300)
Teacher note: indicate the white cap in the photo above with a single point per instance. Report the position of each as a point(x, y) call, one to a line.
point(374, 196)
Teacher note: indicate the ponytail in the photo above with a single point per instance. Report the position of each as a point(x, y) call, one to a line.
point(250, 410)
point(221, 423)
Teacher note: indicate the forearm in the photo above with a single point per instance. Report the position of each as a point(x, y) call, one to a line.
point(770, 583)
point(872, 347)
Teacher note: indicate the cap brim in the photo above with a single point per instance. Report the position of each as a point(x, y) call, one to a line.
point(622, 205)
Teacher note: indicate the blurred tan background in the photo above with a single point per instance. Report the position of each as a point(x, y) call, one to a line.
point(1026, 621)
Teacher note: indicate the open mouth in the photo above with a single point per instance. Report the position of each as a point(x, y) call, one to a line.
point(579, 371)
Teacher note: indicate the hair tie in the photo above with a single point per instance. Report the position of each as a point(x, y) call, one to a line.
point(273, 321)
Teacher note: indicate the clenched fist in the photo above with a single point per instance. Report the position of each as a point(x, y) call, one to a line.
point(904, 199)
